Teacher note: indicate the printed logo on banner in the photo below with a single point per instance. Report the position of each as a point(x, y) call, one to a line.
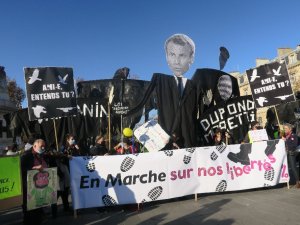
point(222, 186)
point(271, 145)
point(50, 92)
point(190, 150)
point(127, 164)
point(108, 200)
point(187, 158)
point(269, 177)
point(269, 174)
point(270, 84)
point(220, 149)
point(154, 194)
point(168, 152)
point(91, 167)
point(242, 156)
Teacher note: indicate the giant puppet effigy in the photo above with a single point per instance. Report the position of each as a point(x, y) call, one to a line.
point(190, 110)
point(184, 105)
point(177, 100)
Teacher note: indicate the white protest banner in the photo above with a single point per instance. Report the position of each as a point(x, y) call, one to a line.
point(50, 92)
point(123, 179)
point(258, 135)
point(41, 188)
point(152, 136)
point(270, 84)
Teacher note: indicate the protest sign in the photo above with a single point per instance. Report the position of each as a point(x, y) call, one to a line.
point(10, 182)
point(41, 188)
point(270, 84)
point(124, 179)
point(152, 136)
point(120, 109)
point(258, 135)
point(50, 92)
point(10, 178)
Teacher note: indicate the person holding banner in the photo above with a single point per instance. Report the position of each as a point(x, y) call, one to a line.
point(71, 148)
point(291, 142)
point(100, 147)
point(254, 126)
point(126, 147)
point(32, 160)
point(218, 139)
point(60, 161)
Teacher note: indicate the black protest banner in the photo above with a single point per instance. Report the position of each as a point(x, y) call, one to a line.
point(215, 86)
point(50, 92)
point(92, 104)
point(233, 116)
point(287, 113)
point(270, 84)
point(127, 93)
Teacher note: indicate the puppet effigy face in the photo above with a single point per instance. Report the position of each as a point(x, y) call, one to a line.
point(179, 58)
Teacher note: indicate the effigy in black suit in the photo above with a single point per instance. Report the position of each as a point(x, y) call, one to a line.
point(175, 114)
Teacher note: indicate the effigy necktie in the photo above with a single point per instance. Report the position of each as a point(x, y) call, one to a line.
point(180, 87)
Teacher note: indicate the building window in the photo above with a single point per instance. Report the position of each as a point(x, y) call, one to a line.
point(292, 59)
point(298, 56)
point(242, 79)
point(292, 78)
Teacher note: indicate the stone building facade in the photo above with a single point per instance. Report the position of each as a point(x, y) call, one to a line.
point(6, 106)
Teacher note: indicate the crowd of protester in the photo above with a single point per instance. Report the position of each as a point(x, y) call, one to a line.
point(35, 154)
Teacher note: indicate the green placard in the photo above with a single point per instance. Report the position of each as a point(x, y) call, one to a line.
point(10, 177)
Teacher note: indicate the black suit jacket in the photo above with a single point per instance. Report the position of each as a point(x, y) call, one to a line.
point(174, 115)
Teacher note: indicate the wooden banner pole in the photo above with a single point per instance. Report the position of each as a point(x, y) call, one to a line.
point(55, 134)
point(279, 126)
point(109, 135)
point(278, 121)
